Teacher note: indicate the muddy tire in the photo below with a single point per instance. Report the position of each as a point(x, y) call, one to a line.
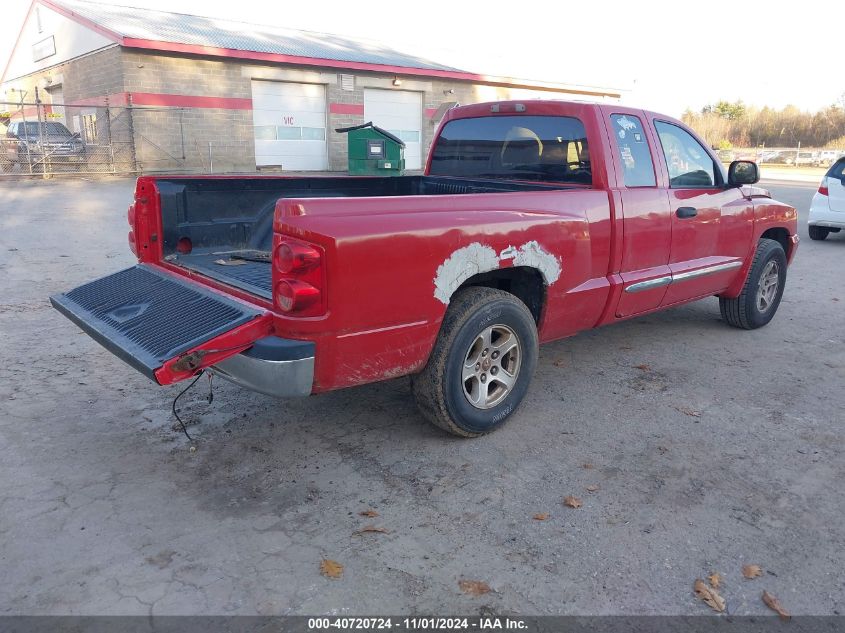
point(761, 294)
point(481, 365)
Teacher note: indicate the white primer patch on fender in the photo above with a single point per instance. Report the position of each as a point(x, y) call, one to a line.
point(477, 258)
point(532, 254)
point(461, 265)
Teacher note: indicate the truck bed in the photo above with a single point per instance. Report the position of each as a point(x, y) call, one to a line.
point(229, 221)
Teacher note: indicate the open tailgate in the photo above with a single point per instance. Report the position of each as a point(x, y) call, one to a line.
point(164, 326)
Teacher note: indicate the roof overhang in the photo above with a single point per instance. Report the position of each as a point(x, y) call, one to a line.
point(230, 53)
point(493, 80)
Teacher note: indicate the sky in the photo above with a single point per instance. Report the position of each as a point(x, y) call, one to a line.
point(666, 56)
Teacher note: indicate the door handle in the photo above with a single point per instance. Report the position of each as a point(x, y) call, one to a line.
point(686, 212)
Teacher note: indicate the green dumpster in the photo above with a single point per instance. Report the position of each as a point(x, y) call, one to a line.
point(374, 151)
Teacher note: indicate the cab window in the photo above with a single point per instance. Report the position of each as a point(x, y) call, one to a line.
point(688, 163)
point(526, 147)
point(633, 151)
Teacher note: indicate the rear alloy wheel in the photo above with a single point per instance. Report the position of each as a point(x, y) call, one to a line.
point(481, 365)
point(491, 366)
point(818, 233)
point(761, 294)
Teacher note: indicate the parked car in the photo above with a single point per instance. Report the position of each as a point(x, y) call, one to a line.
point(34, 143)
point(827, 209)
point(533, 221)
point(827, 157)
point(769, 156)
point(802, 159)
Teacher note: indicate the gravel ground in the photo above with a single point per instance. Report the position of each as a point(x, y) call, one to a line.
point(707, 448)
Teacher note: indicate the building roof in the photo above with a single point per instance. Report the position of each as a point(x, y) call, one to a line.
point(137, 28)
point(147, 25)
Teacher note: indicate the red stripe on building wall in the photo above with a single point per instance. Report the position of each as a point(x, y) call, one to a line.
point(189, 101)
point(118, 99)
point(346, 108)
point(165, 100)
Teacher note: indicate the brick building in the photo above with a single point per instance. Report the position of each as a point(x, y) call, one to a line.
point(204, 94)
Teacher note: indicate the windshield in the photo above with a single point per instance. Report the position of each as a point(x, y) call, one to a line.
point(541, 148)
point(50, 128)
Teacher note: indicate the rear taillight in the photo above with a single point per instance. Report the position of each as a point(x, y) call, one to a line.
point(823, 187)
point(298, 277)
point(295, 296)
point(296, 257)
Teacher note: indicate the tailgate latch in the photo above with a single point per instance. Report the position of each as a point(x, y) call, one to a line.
point(190, 362)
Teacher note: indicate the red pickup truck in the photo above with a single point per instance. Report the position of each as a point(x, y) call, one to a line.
point(533, 221)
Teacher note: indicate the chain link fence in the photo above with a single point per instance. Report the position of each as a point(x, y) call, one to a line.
point(51, 139)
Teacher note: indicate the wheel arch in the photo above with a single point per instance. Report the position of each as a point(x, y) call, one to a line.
point(524, 282)
point(780, 235)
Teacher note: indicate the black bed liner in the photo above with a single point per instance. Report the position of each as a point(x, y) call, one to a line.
point(253, 277)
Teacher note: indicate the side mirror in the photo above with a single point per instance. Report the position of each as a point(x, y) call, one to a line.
point(743, 172)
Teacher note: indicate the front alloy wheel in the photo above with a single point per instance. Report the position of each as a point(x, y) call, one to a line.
point(762, 291)
point(767, 287)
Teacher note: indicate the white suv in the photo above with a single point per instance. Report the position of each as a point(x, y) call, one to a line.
point(827, 210)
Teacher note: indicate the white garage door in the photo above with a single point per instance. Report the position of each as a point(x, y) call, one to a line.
point(57, 96)
point(290, 125)
point(400, 113)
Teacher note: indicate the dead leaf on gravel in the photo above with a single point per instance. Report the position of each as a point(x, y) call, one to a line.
point(588, 466)
point(715, 579)
point(592, 488)
point(751, 571)
point(643, 367)
point(474, 587)
point(368, 513)
point(572, 502)
point(690, 412)
point(372, 528)
point(331, 568)
point(709, 595)
point(775, 605)
point(559, 362)
point(541, 516)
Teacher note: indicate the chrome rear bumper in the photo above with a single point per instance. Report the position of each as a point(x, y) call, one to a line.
point(273, 366)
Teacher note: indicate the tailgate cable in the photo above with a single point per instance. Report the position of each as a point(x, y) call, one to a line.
point(188, 360)
point(181, 393)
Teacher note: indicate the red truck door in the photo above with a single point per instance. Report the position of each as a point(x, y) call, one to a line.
point(646, 221)
point(711, 224)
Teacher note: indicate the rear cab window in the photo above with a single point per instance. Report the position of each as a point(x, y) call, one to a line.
point(633, 151)
point(520, 147)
